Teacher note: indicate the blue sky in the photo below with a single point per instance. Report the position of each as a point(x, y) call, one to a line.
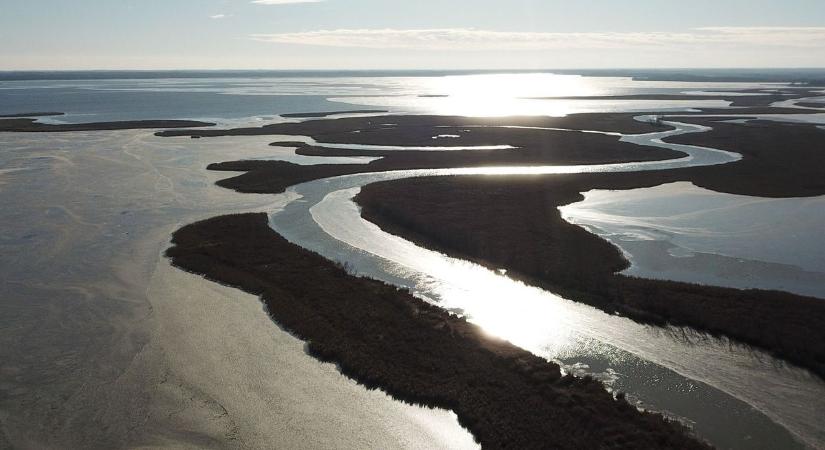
point(367, 34)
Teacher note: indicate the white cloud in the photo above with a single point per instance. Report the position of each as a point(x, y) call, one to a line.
point(283, 2)
point(218, 16)
point(473, 39)
point(780, 36)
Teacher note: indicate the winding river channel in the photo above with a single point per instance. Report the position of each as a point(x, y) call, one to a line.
point(103, 344)
point(733, 396)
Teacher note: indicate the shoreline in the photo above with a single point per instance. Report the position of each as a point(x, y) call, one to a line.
point(389, 339)
point(150, 355)
point(24, 123)
point(286, 170)
point(30, 114)
point(566, 259)
point(258, 385)
point(540, 143)
point(310, 115)
point(747, 98)
point(761, 172)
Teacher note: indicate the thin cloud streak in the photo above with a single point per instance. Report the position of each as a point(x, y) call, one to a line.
point(473, 39)
point(283, 2)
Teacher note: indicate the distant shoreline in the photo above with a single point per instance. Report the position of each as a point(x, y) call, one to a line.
point(309, 115)
point(30, 114)
point(807, 76)
point(24, 123)
point(758, 99)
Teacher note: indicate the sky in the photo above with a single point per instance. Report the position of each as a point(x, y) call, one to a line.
point(409, 34)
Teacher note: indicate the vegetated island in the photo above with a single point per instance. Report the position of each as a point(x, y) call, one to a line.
point(308, 115)
point(743, 98)
point(373, 337)
point(536, 145)
point(386, 338)
point(818, 106)
point(514, 223)
point(31, 114)
point(28, 125)
point(408, 129)
point(779, 160)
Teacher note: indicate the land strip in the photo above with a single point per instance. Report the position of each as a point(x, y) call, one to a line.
point(308, 115)
point(28, 125)
point(386, 338)
point(513, 223)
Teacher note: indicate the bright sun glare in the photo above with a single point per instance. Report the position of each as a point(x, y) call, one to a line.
point(495, 95)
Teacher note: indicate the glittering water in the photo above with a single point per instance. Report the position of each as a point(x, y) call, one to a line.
point(729, 394)
point(103, 204)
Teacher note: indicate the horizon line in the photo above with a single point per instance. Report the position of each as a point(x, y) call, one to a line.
point(417, 70)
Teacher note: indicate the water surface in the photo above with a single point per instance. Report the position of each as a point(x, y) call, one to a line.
point(98, 329)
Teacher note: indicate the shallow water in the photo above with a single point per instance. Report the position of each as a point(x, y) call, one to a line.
point(98, 329)
point(104, 344)
point(681, 232)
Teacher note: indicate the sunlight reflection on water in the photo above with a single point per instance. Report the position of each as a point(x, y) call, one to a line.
point(704, 384)
point(525, 94)
point(682, 232)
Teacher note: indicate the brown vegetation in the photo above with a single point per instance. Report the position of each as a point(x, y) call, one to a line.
point(386, 338)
